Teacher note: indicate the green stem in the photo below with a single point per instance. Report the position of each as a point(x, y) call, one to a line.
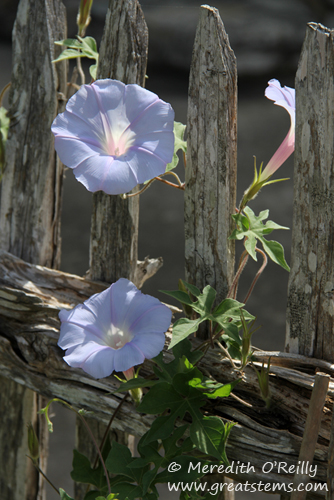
point(180, 185)
point(4, 90)
point(89, 432)
point(225, 351)
point(80, 70)
point(42, 473)
point(258, 274)
point(97, 449)
point(234, 287)
point(108, 427)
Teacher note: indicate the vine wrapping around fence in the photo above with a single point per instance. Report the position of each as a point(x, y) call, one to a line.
point(29, 221)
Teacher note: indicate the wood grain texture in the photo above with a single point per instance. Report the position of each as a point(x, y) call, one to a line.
point(114, 228)
point(310, 313)
point(210, 193)
point(30, 299)
point(32, 181)
point(115, 221)
point(30, 211)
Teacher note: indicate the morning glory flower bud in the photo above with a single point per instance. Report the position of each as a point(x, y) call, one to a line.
point(83, 18)
point(114, 136)
point(33, 443)
point(113, 330)
point(284, 97)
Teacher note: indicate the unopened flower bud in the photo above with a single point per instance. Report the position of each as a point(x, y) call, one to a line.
point(263, 378)
point(83, 18)
point(136, 394)
point(33, 444)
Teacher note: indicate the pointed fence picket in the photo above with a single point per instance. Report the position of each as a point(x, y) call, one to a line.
point(30, 210)
point(29, 221)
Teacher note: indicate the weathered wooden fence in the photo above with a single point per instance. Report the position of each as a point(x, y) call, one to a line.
point(31, 295)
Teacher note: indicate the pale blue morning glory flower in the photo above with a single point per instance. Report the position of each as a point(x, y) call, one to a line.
point(114, 136)
point(113, 330)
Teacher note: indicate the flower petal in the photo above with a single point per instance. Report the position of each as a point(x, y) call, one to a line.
point(160, 142)
point(96, 360)
point(144, 164)
point(159, 116)
point(138, 312)
point(284, 97)
point(106, 173)
point(72, 335)
point(150, 344)
point(72, 152)
point(126, 357)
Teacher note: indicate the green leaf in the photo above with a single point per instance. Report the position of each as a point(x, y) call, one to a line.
point(228, 308)
point(94, 495)
point(89, 45)
point(192, 288)
point(213, 389)
point(209, 436)
point(93, 70)
point(207, 298)
point(161, 428)
point(111, 496)
point(275, 252)
point(83, 473)
point(68, 54)
point(4, 123)
point(221, 390)
point(159, 398)
point(184, 383)
point(184, 327)
point(118, 460)
point(184, 349)
point(179, 295)
point(127, 491)
point(254, 229)
point(72, 43)
point(179, 144)
point(80, 47)
point(171, 446)
point(135, 383)
point(232, 333)
point(64, 495)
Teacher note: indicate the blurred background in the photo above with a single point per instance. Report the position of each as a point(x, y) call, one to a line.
point(266, 36)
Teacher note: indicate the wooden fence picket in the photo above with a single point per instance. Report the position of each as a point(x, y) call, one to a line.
point(114, 230)
point(114, 226)
point(210, 195)
point(30, 210)
point(310, 312)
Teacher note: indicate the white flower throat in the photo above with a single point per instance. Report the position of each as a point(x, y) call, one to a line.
point(117, 338)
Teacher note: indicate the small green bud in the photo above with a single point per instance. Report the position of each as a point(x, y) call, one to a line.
point(83, 18)
point(136, 394)
point(33, 444)
point(263, 378)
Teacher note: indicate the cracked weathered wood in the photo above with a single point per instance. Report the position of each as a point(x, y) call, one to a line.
point(30, 211)
point(211, 158)
point(114, 229)
point(115, 221)
point(31, 185)
point(30, 299)
point(310, 313)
